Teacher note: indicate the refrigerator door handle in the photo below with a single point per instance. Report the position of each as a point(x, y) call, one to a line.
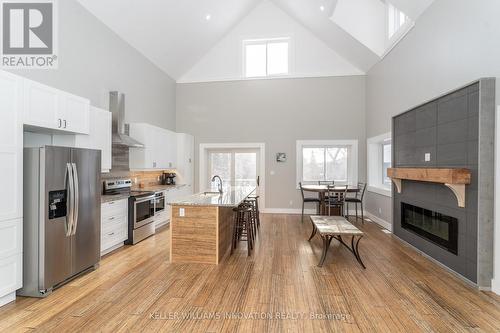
point(76, 199)
point(69, 199)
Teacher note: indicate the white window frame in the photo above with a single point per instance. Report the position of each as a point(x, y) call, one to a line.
point(352, 158)
point(375, 163)
point(402, 30)
point(266, 41)
point(204, 148)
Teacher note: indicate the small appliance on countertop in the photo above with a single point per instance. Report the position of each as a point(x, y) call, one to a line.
point(141, 209)
point(168, 178)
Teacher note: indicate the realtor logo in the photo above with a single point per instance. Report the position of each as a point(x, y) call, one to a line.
point(28, 34)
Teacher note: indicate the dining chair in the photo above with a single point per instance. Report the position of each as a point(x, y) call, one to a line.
point(305, 200)
point(336, 196)
point(358, 199)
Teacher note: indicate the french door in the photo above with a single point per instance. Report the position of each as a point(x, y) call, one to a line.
point(236, 167)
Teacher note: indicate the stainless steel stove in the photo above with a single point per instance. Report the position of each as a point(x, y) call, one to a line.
point(141, 209)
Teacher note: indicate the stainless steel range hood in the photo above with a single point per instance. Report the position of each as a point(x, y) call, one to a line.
point(120, 132)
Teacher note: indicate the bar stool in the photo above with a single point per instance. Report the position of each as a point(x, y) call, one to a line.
point(253, 215)
point(242, 226)
point(254, 199)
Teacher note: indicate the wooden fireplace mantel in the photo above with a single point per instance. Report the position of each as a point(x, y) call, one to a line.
point(455, 179)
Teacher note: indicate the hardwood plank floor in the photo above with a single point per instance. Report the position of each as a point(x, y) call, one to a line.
point(137, 289)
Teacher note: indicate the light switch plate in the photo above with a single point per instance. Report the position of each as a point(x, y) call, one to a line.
point(427, 157)
point(182, 212)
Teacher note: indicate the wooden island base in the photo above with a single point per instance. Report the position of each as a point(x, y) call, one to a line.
point(202, 235)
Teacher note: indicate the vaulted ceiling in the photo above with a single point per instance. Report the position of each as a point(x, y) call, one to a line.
point(175, 34)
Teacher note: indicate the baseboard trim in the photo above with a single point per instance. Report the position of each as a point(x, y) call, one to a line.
point(11, 297)
point(495, 286)
point(379, 221)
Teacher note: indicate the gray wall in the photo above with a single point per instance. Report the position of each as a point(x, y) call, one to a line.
point(453, 43)
point(448, 129)
point(277, 112)
point(93, 60)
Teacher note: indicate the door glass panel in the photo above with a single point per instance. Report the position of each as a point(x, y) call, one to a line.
point(245, 168)
point(220, 164)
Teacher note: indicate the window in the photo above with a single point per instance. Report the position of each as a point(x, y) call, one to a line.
point(266, 57)
point(333, 160)
point(379, 160)
point(386, 162)
point(396, 20)
point(235, 166)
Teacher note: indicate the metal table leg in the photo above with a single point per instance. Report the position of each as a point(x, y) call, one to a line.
point(326, 245)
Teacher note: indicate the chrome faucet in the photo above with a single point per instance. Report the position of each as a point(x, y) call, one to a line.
point(220, 183)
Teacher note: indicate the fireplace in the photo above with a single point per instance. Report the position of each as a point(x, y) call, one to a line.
point(438, 228)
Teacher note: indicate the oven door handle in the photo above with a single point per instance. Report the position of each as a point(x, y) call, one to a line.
point(144, 199)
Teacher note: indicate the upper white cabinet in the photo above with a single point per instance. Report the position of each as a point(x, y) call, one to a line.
point(160, 147)
point(11, 192)
point(185, 159)
point(53, 109)
point(11, 146)
point(76, 114)
point(99, 137)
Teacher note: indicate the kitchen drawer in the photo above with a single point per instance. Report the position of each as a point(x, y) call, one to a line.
point(160, 218)
point(113, 232)
point(11, 237)
point(111, 208)
point(11, 274)
point(112, 238)
point(111, 221)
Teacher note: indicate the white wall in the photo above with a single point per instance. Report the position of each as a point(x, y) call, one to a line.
point(365, 20)
point(93, 60)
point(309, 55)
point(454, 42)
point(276, 112)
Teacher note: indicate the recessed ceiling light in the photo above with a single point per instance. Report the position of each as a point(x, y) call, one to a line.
point(208, 17)
point(322, 8)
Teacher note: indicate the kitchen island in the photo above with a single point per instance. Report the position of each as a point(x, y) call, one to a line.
point(201, 225)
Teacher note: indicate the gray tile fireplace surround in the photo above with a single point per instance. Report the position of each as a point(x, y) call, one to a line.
point(457, 129)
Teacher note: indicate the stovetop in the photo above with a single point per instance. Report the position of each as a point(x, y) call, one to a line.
point(135, 194)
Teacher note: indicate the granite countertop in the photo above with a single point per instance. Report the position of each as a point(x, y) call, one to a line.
point(152, 188)
point(230, 197)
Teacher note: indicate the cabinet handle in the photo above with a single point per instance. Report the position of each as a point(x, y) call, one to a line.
point(60, 123)
point(111, 202)
point(111, 234)
point(111, 218)
point(64, 123)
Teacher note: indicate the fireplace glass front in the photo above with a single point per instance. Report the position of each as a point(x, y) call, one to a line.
point(438, 228)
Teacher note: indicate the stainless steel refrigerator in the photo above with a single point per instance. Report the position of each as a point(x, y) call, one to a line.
point(62, 216)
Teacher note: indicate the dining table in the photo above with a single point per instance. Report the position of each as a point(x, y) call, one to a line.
point(323, 189)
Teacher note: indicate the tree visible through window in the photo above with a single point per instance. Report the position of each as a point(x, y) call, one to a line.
point(324, 164)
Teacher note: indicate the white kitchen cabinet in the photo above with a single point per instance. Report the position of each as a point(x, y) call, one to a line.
point(114, 225)
point(99, 137)
point(11, 193)
point(160, 148)
point(185, 159)
point(76, 113)
point(54, 110)
point(11, 147)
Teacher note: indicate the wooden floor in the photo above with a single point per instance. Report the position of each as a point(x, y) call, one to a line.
point(278, 289)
